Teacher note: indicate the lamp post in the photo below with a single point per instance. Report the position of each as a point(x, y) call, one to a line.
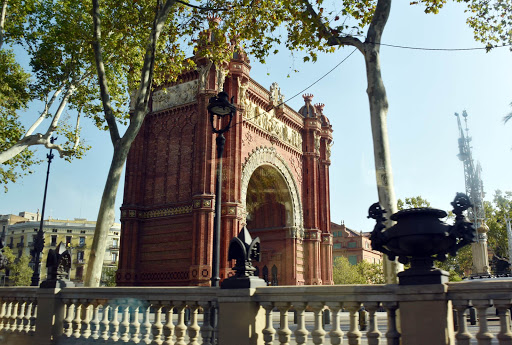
point(39, 240)
point(219, 108)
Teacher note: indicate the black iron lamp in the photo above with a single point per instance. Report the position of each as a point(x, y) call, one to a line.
point(39, 239)
point(219, 107)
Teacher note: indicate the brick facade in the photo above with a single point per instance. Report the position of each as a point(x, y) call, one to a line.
point(275, 180)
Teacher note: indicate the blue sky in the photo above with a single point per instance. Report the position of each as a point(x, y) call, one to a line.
point(425, 89)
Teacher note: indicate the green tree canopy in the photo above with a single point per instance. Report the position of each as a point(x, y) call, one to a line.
point(363, 272)
point(20, 273)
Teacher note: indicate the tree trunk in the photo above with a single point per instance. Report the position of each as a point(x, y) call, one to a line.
point(106, 214)
point(378, 101)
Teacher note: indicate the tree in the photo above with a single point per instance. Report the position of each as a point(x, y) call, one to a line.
point(413, 202)
point(363, 272)
point(496, 214)
point(58, 71)
point(20, 273)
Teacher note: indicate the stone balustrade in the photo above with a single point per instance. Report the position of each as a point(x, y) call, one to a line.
point(267, 315)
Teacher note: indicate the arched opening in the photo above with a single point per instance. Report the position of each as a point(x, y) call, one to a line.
point(268, 204)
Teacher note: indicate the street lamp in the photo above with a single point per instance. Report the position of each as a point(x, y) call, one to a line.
point(39, 240)
point(220, 108)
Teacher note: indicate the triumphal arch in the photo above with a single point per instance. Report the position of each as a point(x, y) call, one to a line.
point(275, 181)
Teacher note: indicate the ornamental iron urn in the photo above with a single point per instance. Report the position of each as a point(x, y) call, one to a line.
point(243, 249)
point(419, 237)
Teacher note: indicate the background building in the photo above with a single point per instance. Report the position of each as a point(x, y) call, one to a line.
point(355, 246)
point(77, 234)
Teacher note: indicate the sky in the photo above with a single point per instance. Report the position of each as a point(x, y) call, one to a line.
point(425, 89)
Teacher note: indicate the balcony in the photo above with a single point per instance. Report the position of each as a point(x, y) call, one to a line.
point(263, 315)
point(20, 245)
point(114, 247)
point(80, 261)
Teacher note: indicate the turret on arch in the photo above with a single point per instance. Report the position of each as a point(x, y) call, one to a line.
point(275, 179)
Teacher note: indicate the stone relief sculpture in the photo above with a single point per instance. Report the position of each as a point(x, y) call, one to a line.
point(317, 143)
point(221, 77)
point(267, 121)
point(276, 97)
point(204, 71)
point(242, 92)
point(175, 95)
point(328, 151)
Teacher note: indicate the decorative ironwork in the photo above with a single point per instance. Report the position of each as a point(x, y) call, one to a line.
point(243, 249)
point(419, 237)
point(58, 266)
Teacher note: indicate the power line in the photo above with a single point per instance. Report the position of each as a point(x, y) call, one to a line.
point(440, 49)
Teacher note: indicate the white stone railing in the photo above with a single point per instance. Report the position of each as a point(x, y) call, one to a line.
point(491, 299)
point(152, 315)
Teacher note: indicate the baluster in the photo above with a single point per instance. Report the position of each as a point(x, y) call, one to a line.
point(114, 324)
point(135, 326)
point(463, 336)
point(483, 335)
point(505, 335)
point(125, 323)
point(105, 323)
point(77, 321)
point(33, 318)
point(95, 322)
point(373, 333)
point(284, 332)
point(146, 326)
point(193, 328)
point(7, 317)
point(3, 311)
point(21, 316)
point(181, 328)
point(336, 334)
point(68, 320)
point(353, 335)
point(157, 327)
point(318, 333)
point(268, 331)
point(12, 317)
point(215, 323)
point(28, 315)
point(206, 327)
point(86, 319)
point(169, 325)
point(392, 335)
point(301, 333)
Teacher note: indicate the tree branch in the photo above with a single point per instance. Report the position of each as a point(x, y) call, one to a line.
point(102, 79)
point(2, 22)
point(326, 31)
point(379, 20)
point(144, 91)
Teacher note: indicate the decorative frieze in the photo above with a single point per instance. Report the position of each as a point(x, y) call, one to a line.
point(269, 123)
point(175, 95)
point(165, 212)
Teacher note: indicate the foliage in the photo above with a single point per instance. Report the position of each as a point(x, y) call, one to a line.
point(491, 20)
point(109, 276)
point(496, 213)
point(413, 202)
point(362, 273)
point(20, 273)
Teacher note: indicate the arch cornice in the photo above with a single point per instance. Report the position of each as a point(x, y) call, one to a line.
point(269, 156)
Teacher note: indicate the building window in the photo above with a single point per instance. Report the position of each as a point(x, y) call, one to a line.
point(352, 245)
point(81, 241)
point(82, 231)
point(115, 243)
point(80, 257)
point(352, 259)
point(367, 245)
point(70, 231)
point(54, 241)
point(68, 240)
point(336, 246)
point(54, 230)
point(20, 252)
point(114, 257)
